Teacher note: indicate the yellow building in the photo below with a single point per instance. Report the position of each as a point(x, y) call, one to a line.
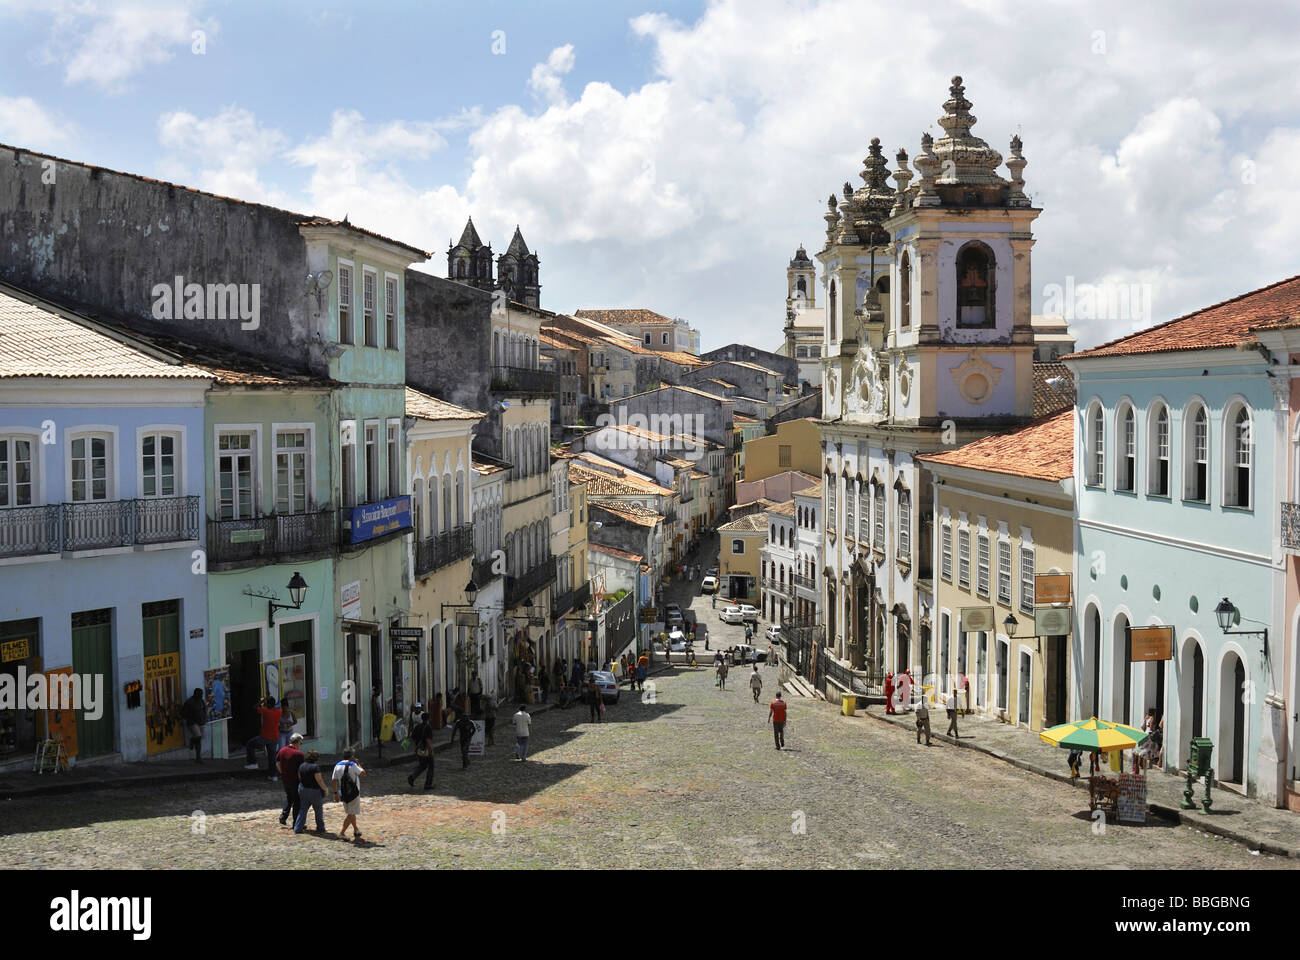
point(740, 557)
point(796, 445)
point(569, 547)
point(1004, 507)
point(438, 439)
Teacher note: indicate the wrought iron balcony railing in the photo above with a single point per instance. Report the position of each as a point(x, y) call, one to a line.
point(483, 572)
point(442, 549)
point(523, 380)
point(97, 525)
point(799, 580)
point(271, 538)
point(166, 520)
point(1291, 527)
point(517, 588)
point(30, 531)
point(779, 587)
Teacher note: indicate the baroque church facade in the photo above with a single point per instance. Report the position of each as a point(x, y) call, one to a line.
point(927, 345)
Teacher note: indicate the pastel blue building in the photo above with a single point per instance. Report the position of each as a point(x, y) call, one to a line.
point(1177, 509)
point(101, 501)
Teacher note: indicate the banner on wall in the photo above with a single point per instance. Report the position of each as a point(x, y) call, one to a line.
point(216, 694)
point(286, 680)
point(162, 702)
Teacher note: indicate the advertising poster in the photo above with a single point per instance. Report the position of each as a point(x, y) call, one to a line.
point(216, 694)
point(286, 680)
point(162, 702)
point(61, 724)
point(476, 742)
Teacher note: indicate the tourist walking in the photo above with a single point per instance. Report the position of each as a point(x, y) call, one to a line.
point(489, 720)
point(287, 722)
point(922, 721)
point(346, 780)
point(194, 714)
point(423, 737)
point(475, 693)
point(889, 693)
point(269, 738)
point(465, 729)
point(776, 717)
point(522, 722)
point(287, 761)
point(311, 793)
point(952, 716)
point(756, 683)
point(594, 699)
point(722, 676)
point(642, 668)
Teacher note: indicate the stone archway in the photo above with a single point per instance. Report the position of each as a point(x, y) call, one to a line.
point(1230, 739)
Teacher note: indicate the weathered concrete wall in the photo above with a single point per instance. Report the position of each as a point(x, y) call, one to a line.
point(806, 406)
point(788, 367)
point(449, 343)
point(717, 413)
point(99, 241)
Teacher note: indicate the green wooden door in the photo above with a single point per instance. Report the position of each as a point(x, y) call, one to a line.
point(92, 654)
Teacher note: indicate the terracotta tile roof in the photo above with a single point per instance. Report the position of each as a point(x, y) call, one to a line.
point(1053, 387)
point(723, 383)
point(38, 340)
point(677, 462)
point(619, 318)
point(548, 337)
point(783, 509)
point(751, 366)
point(600, 483)
point(425, 407)
point(699, 475)
point(1041, 450)
point(486, 466)
point(752, 523)
point(1223, 324)
point(815, 491)
point(613, 552)
point(628, 512)
point(688, 359)
point(742, 418)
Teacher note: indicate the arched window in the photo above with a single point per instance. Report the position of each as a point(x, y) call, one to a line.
point(447, 515)
point(433, 506)
point(1126, 448)
point(830, 314)
point(460, 498)
point(496, 348)
point(1237, 456)
point(905, 292)
point(975, 283)
point(1095, 448)
point(417, 508)
point(1196, 454)
point(1158, 451)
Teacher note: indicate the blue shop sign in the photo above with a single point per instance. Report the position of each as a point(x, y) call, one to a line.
point(372, 520)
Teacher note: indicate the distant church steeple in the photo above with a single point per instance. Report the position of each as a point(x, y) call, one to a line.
point(470, 260)
point(517, 272)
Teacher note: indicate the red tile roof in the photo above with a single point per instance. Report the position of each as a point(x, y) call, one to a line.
point(1223, 324)
point(1040, 450)
point(619, 318)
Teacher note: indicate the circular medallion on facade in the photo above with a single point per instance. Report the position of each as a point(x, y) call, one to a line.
point(905, 384)
point(975, 388)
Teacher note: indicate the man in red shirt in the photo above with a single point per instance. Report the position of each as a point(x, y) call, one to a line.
point(287, 761)
point(270, 736)
point(776, 715)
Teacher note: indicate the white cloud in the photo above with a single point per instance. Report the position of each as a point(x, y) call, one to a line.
point(25, 123)
point(545, 82)
point(234, 139)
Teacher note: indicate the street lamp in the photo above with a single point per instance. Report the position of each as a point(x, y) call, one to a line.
point(297, 593)
point(1226, 614)
point(1011, 625)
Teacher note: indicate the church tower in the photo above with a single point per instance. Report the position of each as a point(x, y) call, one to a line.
point(800, 275)
point(517, 272)
point(470, 260)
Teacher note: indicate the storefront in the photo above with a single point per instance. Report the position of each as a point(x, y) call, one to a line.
point(20, 646)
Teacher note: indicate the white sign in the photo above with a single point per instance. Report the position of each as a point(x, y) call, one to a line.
point(351, 595)
point(476, 741)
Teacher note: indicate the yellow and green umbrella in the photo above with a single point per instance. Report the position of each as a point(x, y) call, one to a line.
point(1094, 734)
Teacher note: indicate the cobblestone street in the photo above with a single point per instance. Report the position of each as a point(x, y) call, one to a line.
point(688, 780)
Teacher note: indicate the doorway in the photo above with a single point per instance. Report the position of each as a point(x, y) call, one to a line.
point(1091, 706)
point(92, 654)
point(1026, 686)
point(352, 669)
point(296, 640)
point(1057, 685)
point(982, 669)
point(1230, 743)
point(244, 658)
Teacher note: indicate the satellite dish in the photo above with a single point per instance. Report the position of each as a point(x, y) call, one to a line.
point(324, 278)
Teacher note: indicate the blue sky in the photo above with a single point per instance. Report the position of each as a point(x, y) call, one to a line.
point(672, 155)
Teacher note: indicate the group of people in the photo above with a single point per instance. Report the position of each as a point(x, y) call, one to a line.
point(633, 670)
point(305, 787)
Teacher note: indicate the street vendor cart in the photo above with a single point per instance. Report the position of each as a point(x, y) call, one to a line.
point(1123, 796)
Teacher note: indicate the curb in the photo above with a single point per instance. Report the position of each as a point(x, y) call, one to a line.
point(1171, 814)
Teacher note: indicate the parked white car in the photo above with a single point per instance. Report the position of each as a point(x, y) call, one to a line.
point(742, 613)
point(709, 585)
point(773, 633)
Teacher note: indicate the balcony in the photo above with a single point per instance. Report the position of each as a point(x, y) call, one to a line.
point(483, 573)
point(97, 525)
point(166, 520)
point(808, 583)
point(779, 587)
point(517, 588)
point(269, 539)
point(443, 549)
point(574, 599)
point(523, 380)
point(29, 531)
point(1291, 527)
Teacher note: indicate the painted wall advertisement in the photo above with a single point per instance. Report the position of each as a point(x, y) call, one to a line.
point(286, 680)
point(162, 702)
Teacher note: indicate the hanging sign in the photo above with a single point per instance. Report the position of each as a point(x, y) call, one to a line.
point(1052, 588)
point(1053, 621)
point(974, 619)
point(1149, 644)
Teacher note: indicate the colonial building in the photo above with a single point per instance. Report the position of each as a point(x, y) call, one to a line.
point(778, 563)
point(927, 345)
point(804, 322)
point(652, 330)
point(808, 554)
point(740, 557)
point(796, 445)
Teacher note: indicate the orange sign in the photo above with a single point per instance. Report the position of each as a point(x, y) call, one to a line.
point(1149, 644)
point(1052, 588)
point(61, 723)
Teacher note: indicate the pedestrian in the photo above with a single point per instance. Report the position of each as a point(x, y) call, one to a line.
point(771, 656)
point(922, 721)
point(544, 681)
point(1074, 761)
point(522, 722)
point(722, 676)
point(475, 693)
point(311, 793)
point(642, 668)
point(593, 699)
point(714, 600)
point(1148, 752)
point(489, 720)
point(952, 716)
point(1160, 743)
point(1094, 763)
point(889, 693)
point(346, 780)
point(756, 683)
point(966, 684)
point(423, 737)
point(269, 738)
point(287, 722)
point(776, 717)
point(465, 729)
point(194, 713)
point(289, 758)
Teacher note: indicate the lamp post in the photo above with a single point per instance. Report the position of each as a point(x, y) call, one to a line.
point(297, 593)
point(463, 650)
point(1226, 614)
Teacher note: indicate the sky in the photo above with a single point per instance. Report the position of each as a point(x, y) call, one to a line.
point(672, 155)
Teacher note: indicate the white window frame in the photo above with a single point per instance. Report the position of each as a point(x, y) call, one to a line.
point(107, 432)
point(1027, 560)
point(1233, 454)
point(366, 462)
point(347, 441)
point(963, 555)
point(945, 551)
point(1126, 447)
point(392, 316)
point(1094, 448)
point(370, 313)
point(37, 465)
point(904, 523)
point(1191, 448)
point(1158, 452)
point(983, 561)
point(348, 331)
point(177, 432)
point(255, 468)
point(1005, 572)
point(393, 456)
point(310, 453)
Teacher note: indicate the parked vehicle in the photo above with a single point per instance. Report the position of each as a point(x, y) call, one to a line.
point(773, 633)
point(606, 683)
point(747, 654)
point(709, 585)
point(741, 613)
point(673, 614)
point(701, 632)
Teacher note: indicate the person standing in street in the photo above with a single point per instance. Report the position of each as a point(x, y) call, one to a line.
point(714, 599)
point(776, 717)
point(269, 737)
point(311, 793)
point(756, 683)
point(475, 693)
point(346, 780)
point(642, 668)
point(465, 729)
point(287, 761)
point(422, 735)
point(593, 699)
point(922, 721)
point(194, 713)
point(952, 716)
point(889, 693)
point(489, 720)
point(522, 722)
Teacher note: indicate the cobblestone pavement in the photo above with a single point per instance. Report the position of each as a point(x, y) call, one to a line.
point(687, 778)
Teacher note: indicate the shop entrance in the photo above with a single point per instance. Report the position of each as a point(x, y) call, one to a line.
point(296, 640)
point(19, 647)
point(244, 657)
point(1056, 686)
point(162, 668)
point(92, 653)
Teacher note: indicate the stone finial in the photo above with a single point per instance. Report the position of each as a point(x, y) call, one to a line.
point(1016, 164)
point(848, 190)
point(832, 217)
point(902, 176)
point(927, 165)
point(830, 203)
